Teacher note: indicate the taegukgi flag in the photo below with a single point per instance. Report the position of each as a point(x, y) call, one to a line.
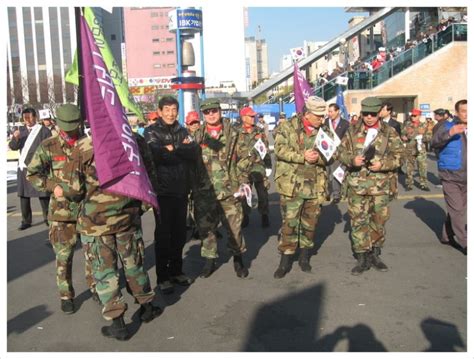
point(120, 168)
point(325, 144)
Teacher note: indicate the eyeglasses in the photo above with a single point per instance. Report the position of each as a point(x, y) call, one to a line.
point(373, 114)
point(210, 110)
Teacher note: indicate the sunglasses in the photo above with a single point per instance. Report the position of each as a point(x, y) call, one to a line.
point(210, 110)
point(373, 114)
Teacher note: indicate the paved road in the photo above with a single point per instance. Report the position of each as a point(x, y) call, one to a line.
point(419, 305)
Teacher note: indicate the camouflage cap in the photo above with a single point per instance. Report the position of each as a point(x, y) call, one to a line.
point(68, 117)
point(371, 104)
point(315, 105)
point(210, 103)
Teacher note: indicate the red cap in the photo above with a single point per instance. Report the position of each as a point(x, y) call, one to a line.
point(152, 115)
point(415, 112)
point(192, 117)
point(247, 111)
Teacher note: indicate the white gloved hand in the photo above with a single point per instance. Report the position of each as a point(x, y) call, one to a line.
point(268, 172)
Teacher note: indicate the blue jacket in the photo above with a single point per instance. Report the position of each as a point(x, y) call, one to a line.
point(450, 155)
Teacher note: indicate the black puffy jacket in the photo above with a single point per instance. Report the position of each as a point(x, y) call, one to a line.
point(172, 167)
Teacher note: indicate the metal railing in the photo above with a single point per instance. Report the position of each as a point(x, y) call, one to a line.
point(366, 79)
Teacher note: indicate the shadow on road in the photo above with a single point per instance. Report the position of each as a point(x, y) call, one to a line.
point(360, 338)
point(27, 319)
point(330, 216)
point(429, 212)
point(443, 336)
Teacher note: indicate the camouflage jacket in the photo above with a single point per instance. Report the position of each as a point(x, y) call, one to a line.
point(410, 130)
point(247, 141)
point(388, 150)
point(45, 172)
point(293, 176)
point(100, 213)
point(219, 169)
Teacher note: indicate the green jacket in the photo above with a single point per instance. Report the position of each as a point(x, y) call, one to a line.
point(45, 172)
point(411, 131)
point(293, 176)
point(388, 150)
point(219, 169)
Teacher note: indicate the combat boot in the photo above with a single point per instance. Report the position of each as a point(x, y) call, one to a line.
point(67, 306)
point(209, 268)
point(95, 298)
point(148, 312)
point(363, 264)
point(303, 260)
point(117, 330)
point(265, 221)
point(284, 266)
point(376, 261)
point(239, 267)
point(245, 221)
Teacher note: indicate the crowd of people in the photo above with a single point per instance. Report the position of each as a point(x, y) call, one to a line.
point(206, 171)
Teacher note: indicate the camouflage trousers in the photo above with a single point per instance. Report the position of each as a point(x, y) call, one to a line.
point(63, 238)
point(421, 160)
point(262, 195)
point(299, 223)
point(209, 213)
point(368, 217)
point(106, 250)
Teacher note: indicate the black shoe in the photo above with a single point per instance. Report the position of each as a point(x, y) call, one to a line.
point(67, 306)
point(363, 264)
point(424, 188)
point(46, 222)
point(148, 312)
point(209, 268)
point(117, 330)
point(239, 267)
point(245, 221)
point(181, 279)
point(265, 221)
point(303, 260)
point(24, 226)
point(284, 266)
point(336, 200)
point(166, 287)
point(376, 261)
point(95, 298)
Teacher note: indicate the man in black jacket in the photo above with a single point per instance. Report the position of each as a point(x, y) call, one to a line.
point(27, 139)
point(338, 126)
point(172, 150)
point(386, 113)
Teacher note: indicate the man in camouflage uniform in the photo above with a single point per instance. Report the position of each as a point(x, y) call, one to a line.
point(219, 174)
point(368, 177)
point(301, 181)
point(111, 224)
point(415, 135)
point(249, 134)
point(45, 171)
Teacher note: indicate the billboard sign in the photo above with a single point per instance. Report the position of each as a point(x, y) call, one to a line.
point(189, 19)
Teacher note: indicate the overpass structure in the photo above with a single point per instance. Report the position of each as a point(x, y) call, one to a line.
point(324, 50)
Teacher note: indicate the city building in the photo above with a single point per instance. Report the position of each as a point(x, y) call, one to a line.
point(256, 58)
point(40, 49)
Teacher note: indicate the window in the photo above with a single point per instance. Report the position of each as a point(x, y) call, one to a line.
point(170, 52)
point(112, 37)
point(169, 39)
point(157, 66)
point(171, 65)
point(154, 14)
point(156, 53)
point(155, 40)
point(155, 27)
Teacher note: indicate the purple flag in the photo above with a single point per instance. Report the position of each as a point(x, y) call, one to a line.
point(120, 168)
point(301, 88)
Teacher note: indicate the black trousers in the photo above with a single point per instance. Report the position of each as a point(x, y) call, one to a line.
point(25, 206)
point(170, 236)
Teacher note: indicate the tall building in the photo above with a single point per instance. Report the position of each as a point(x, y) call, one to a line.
point(256, 54)
point(40, 49)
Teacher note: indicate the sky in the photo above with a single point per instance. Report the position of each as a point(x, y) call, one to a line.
point(286, 27)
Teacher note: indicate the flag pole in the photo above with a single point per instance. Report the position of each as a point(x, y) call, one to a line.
point(80, 96)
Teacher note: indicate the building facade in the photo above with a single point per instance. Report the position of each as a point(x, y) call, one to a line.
point(40, 50)
point(256, 54)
